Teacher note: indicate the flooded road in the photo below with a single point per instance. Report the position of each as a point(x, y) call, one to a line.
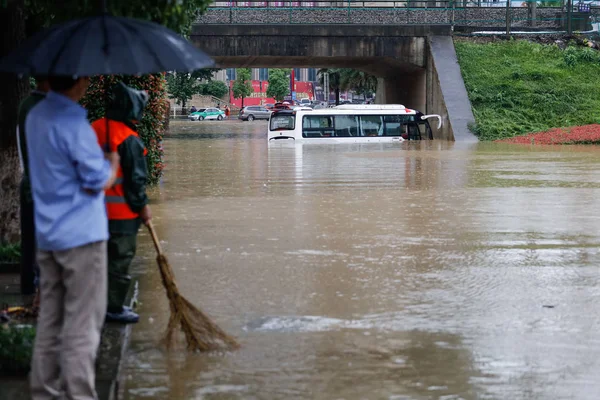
point(400, 271)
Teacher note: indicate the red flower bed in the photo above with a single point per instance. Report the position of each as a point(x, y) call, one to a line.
point(586, 134)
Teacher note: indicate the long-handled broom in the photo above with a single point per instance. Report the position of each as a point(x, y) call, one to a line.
point(200, 332)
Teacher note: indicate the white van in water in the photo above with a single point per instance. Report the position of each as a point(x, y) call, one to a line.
point(351, 123)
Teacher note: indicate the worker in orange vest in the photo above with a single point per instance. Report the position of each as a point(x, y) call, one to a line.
point(126, 202)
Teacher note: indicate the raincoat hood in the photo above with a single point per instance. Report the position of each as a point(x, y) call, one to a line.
point(127, 104)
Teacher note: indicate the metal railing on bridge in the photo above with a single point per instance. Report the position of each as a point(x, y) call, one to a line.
point(511, 14)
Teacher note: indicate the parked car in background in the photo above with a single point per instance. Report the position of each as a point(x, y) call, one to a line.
point(282, 106)
point(207, 113)
point(251, 113)
point(269, 106)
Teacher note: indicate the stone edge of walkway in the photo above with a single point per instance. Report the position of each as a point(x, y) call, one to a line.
point(109, 365)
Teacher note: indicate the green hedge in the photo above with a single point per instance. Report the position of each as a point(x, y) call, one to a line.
point(10, 253)
point(518, 87)
point(16, 349)
point(152, 127)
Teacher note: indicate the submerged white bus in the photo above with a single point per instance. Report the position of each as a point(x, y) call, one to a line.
point(351, 124)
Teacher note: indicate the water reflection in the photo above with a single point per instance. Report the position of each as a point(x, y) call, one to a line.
point(402, 271)
point(412, 165)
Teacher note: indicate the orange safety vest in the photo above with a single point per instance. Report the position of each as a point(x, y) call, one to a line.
point(116, 206)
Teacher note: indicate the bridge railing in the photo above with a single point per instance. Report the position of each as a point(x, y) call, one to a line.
point(511, 14)
point(577, 5)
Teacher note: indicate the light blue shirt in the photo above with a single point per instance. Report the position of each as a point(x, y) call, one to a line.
point(68, 172)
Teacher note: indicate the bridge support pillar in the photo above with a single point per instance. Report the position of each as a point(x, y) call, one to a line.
point(380, 93)
point(406, 89)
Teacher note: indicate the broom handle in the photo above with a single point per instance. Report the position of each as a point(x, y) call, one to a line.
point(154, 237)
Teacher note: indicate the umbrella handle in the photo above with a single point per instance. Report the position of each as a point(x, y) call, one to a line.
point(107, 146)
point(154, 238)
point(106, 104)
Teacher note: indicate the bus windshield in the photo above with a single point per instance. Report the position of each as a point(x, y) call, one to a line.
point(283, 122)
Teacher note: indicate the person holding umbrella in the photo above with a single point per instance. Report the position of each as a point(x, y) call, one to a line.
point(68, 173)
point(63, 167)
point(126, 202)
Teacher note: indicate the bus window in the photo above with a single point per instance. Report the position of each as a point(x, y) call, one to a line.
point(325, 122)
point(346, 125)
point(393, 124)
point(371, 125)
point(317, 126)
point(283, 122)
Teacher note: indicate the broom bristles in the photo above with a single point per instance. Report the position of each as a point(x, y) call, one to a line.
point(201, 333)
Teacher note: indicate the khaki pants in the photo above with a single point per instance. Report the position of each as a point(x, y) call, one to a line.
point(73, 306)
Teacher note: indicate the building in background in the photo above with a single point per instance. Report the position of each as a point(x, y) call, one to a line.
point(305, 83)
point(262, 74)
point(259, 97)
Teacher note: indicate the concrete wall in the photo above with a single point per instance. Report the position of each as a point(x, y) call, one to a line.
point(470, 16)
point(446, 92)
point(315, 45)
point(437, 89)
point(409, 89)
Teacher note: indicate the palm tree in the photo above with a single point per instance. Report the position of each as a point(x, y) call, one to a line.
point(334, 82)
point(360, 81)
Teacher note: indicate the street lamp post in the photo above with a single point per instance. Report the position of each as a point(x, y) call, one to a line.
point(508, 17)
point(569, 17)
point(326, 86)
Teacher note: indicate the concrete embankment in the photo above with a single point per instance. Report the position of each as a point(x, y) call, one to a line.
point(447, 94)
point(113, 345)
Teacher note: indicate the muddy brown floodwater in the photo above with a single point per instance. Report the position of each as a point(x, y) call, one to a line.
point(421, 270)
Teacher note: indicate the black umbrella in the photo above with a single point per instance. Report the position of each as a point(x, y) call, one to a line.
point(105, 45)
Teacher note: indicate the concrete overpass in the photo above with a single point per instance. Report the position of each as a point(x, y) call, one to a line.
point(415, 64)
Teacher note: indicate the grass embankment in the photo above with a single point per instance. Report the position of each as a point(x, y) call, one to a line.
point(517, 87)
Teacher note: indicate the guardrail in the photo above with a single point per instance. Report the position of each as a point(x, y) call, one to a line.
point(579, 6)
point(562, 14)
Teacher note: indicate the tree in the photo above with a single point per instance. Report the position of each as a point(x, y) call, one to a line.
point(176, 15)
point(154, 121)
point(348, 79)
point(242, 86)
point(334, 82)
point(214, 88)
point(22, 18)
point(181, 87)
point(14, 90)
point(359, 81)
point(205, 74)
point(279, 84)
